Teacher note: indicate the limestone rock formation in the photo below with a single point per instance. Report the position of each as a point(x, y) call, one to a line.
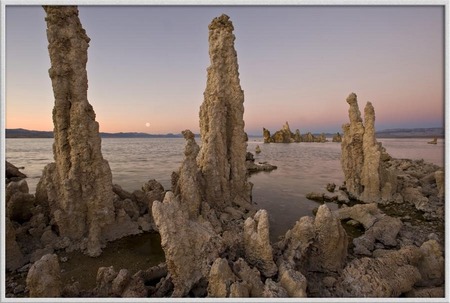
point(366, 214)
point(253, 167)
point(337, 138)
point(284, 135)
point(293, 281)
point(220, 279)
point(297, 136)
point(316, 245)
point(431, 265)
point(190, 247)
point(387, 276)
point(367, 176)
point(13, 255)
point(12, 173)
point(19, 202)
point(266, 135)
point(440, 182)
point(78, 186)
point(44, 277)
point(258, 250)
point(251, 276)
point(222, 157)
point(330, 243)
point(190, 178)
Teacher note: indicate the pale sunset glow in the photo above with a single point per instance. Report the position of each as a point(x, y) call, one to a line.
point(296, 64)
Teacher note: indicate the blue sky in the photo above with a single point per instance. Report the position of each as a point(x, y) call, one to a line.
point(147, 64)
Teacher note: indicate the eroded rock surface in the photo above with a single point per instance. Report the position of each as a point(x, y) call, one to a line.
point(387, 276)
point(258, 250)
point(43, 279)
point(190, 247)
point(222, 157)
point(78, 186)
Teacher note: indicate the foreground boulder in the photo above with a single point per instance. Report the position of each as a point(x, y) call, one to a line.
point(388, 276)
point(12, 173)
point(43, 279)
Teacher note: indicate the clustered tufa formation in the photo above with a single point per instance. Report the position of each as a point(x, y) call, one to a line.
point(285, 135)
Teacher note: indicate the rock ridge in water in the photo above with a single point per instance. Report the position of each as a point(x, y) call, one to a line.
point(78, 185)
point(285, 135)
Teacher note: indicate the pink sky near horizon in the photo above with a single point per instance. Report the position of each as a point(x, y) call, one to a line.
point(296, 64)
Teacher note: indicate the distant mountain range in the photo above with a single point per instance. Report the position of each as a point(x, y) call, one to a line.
point(412, 133)
point(387, 133)
point(25, 133)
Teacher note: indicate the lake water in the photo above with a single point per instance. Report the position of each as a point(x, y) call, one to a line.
point(302, 168)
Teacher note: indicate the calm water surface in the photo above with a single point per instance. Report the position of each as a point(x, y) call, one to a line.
point(302, 168)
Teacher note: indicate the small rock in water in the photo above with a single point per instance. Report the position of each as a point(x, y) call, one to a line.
point(331, 187)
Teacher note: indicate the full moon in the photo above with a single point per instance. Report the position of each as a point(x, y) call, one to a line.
point(147, 124)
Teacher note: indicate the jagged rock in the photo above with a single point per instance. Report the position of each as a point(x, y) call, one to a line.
point(251, 276)
point(330, 243)
point(257, 149)
point(274, 290)
point(258, 250)
point(14, 258)
point(337, 138)
point(129, 206)
point(266, 135)
point(19, 203)
point(222, 157)
point(431, 265)
point(220, 279)
point(136, 287)
point(318, 244)
point(432, 292)
point(284, 135)
point(123, 194)
point(366, 214)
point(308, 137)
point(104, 281)
point(331, 187)
point(440, 182)
point(239, 290)
point(370, 179)
point(43, 278)
point(355, 143)
point(119, 283)
point(153, 191)
point(293, 281)
point(189, 177)
point(297, 136)
point(253, 167)
point(296, 242)
point(12, 173)
point(387, 276)
point(190, 247)
point(384, 230)
point(78, 186)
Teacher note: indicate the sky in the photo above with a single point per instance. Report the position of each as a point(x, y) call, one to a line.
point(147, 65)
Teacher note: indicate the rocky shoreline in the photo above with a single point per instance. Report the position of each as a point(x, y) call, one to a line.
point(385, 240)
